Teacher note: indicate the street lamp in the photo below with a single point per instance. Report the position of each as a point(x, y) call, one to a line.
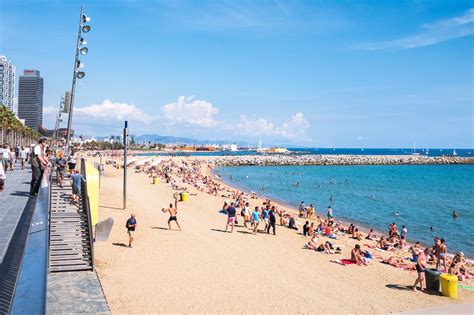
point(58, 121)
point(81, 49)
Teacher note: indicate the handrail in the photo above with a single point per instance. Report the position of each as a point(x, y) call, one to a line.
point(86, 205)
point(31, 289)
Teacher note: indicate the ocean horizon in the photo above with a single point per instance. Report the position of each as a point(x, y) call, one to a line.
point(369, 196)
point(333, 151)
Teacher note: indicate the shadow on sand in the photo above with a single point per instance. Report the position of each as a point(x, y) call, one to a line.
point(120, 244)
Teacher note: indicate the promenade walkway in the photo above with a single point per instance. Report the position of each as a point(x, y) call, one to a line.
point(16, 209)
point(12, 203)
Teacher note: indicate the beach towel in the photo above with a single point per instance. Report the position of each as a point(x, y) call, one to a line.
point(343, 262)
point(466, 287)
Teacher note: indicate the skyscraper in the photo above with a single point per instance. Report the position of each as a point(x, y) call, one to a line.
point(7, 83)
point(30, 98)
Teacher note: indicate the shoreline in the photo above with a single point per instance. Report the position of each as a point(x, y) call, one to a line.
point(363, 227)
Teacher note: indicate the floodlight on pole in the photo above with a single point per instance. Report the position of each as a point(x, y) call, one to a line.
point(85, 18)
point(84, 50)
point(77, 73)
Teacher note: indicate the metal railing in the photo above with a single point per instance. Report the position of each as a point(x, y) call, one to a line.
point(31, 288)
point(87, 206)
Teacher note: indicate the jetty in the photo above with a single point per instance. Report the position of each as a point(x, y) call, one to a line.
point(300, 160)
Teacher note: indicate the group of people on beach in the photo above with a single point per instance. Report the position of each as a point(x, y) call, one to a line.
point(323, 232)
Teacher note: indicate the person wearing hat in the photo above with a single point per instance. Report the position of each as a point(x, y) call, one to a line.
point(38, 163)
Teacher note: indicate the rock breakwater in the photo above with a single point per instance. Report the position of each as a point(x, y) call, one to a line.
point(286, 160)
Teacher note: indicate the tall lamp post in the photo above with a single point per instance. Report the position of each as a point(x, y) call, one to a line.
point(125, 135)
point(58, 121)
point(81, 49)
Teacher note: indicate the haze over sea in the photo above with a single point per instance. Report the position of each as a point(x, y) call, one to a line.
point(369, 196)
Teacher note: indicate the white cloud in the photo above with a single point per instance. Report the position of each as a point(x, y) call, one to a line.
point(466, 18)
point(49, 110)
point(255, 127)
point(434, 33)
point(109, 110)
point(294, 128)
point(190, 112)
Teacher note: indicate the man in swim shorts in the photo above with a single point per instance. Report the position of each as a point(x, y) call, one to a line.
point(442, 250)
point(173, 211)
point(420, 268)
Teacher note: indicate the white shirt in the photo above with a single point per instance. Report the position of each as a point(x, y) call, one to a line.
point(6, 154)
point(2, 172)
point(38, 150)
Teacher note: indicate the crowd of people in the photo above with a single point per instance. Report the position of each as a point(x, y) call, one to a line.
point(323, 232)
point(39, 157)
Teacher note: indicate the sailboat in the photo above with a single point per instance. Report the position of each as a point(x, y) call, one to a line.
point(455, 153)
point(414, 150)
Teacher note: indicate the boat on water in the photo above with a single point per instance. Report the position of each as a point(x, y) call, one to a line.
point(414, 150)
point(455, 153)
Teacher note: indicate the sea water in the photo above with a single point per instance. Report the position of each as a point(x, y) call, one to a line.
point(424, 196)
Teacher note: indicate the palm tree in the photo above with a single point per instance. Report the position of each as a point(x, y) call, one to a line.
point(13, 131)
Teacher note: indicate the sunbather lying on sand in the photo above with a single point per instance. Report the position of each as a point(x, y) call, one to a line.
point(398, 262)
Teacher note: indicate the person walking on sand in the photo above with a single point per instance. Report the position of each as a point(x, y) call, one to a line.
point(173, 211)
point(420, 268)
point(255, 219)
point(231, 211)
point(131, 225)
point(272, 220)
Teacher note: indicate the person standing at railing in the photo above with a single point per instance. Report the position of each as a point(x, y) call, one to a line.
point(2, 172)
point(38, 163)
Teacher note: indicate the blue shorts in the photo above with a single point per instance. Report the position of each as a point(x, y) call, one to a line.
point(76, 190)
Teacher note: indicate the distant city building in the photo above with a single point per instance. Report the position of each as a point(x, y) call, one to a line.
point(30, 98)
point(7, 83)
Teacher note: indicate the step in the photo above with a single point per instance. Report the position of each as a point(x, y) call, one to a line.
point(69, 268)
point(69, 258)
point(69, 263)
point(68, 247)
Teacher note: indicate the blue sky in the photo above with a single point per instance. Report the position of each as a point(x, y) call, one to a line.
point(315, 73)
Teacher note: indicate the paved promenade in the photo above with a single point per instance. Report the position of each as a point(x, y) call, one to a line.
point(12, 203)
point(75, 292)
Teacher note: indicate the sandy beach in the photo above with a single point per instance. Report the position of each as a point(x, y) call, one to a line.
point(204, 270)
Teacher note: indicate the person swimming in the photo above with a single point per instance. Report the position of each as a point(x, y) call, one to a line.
point(397, 213)
point(455, 215)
